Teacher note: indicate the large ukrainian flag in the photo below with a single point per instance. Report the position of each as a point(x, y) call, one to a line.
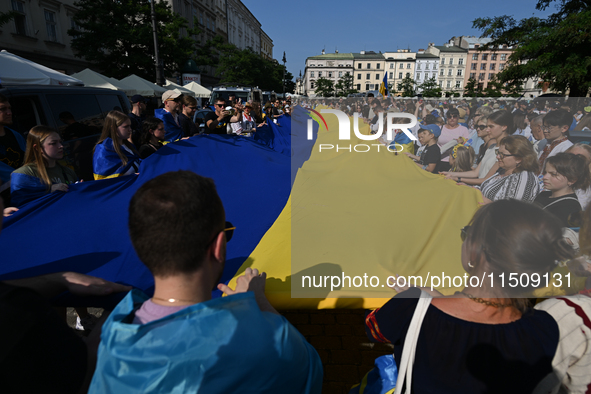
point(299, 212)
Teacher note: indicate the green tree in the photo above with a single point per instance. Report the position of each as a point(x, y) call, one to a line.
point(244, 66)
point(554, 49)
point(117, 37)
point(472, 89)
point(430, 88)
point(324, 87)
point(344, 85)
point(6, 17)
point(407, 87)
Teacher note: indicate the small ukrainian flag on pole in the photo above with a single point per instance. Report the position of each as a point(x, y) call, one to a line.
point(384, 85)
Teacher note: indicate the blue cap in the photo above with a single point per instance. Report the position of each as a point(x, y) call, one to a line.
point(433, 128)
point(137, 98)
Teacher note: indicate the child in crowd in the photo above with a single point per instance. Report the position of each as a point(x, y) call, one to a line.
point(41, 174)
point(563, 174)
point(431, 155)
point(461, 158)
point(152, 136)
point(113, 154)
point(555, 128)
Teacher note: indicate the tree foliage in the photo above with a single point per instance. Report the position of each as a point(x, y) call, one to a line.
point(430, 88)
point(6, 17)
point(407, 86)
point(556, 49)
point(244, 66)
point(344, 85)
point(117, 37)
point(324, 87)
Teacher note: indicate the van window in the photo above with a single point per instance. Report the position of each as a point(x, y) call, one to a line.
point(110, 102)
point(84, 107)
point(26, 113)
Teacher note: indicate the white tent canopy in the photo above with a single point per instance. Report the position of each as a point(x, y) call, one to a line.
point(94, 79)
point(143, 86)
point(199, 90)
point(173, 86)
point(15, 70)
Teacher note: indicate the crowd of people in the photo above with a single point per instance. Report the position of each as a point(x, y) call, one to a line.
point(534, 183)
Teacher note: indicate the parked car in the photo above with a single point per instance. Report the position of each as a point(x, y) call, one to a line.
point(34, 105)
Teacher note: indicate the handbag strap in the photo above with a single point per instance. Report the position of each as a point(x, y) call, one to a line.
point(410, 342)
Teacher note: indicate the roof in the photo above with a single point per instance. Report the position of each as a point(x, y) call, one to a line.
point(427, 55)
point(367, 56)
point(476, 40)
point(443, 48)
point(330, 56)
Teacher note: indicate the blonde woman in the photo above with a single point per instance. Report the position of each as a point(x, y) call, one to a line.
point(41, 173)
point(113, 154)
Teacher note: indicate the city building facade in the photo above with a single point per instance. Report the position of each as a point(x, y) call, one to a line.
point(426, 68)
point(452, 67)
point(331, 66)
point(39, 32)
point(399, 65)
point(369, 68)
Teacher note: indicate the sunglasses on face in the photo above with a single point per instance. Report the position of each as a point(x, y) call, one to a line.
point(229, 230)
point(452, 116)
point(481, 127)
point(220, 105)
point(501, 155)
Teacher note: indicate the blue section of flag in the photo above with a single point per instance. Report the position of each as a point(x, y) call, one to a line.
point(85, 229)
point(384, 85)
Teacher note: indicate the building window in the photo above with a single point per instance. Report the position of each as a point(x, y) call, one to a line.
point(358, 86)
point(368, 66)
point(358, 76)
point(449, 72)
point(483, 66)
point(391, 65)
point(391, 75)
point(367, 76)
point(428, 66)
point(399, 75)
point(442, 61)
point(449, 84)
point(458, 84)
point(485, 56)
point(459, 74)
point(493, 57)
point(407, 75)
point(503, 56)
point(419, 76)
point(359, 65)
point(461, 61)
point(501, 66)
point(490, 76)
point(330, 74)
point(20, 19)
point(378, 66)
point(401, 65)
point(451, 60)
point(311, 74)
point(441, 73)
point(481, 77)
point(408, 66)
point(473, 66)
point(319, 74)
point(472, 75)
point(367, 86)
point(492, 66)
point(340, 74)
point(378, 77)
point(312, 85)
point(474, 56)
point(50, 25)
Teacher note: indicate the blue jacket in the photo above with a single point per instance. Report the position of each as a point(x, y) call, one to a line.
point(5, 169)
point(225, 345)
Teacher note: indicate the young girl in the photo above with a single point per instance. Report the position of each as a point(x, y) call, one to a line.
point(461, 158)
point(41, 174)
point(113, 154)
point(563, 174)
point(152, 136)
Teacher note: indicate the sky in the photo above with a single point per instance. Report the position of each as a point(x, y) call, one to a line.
point(303, 28)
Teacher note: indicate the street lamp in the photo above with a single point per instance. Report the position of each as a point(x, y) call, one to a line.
point(159, 64)
point(284, 61)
